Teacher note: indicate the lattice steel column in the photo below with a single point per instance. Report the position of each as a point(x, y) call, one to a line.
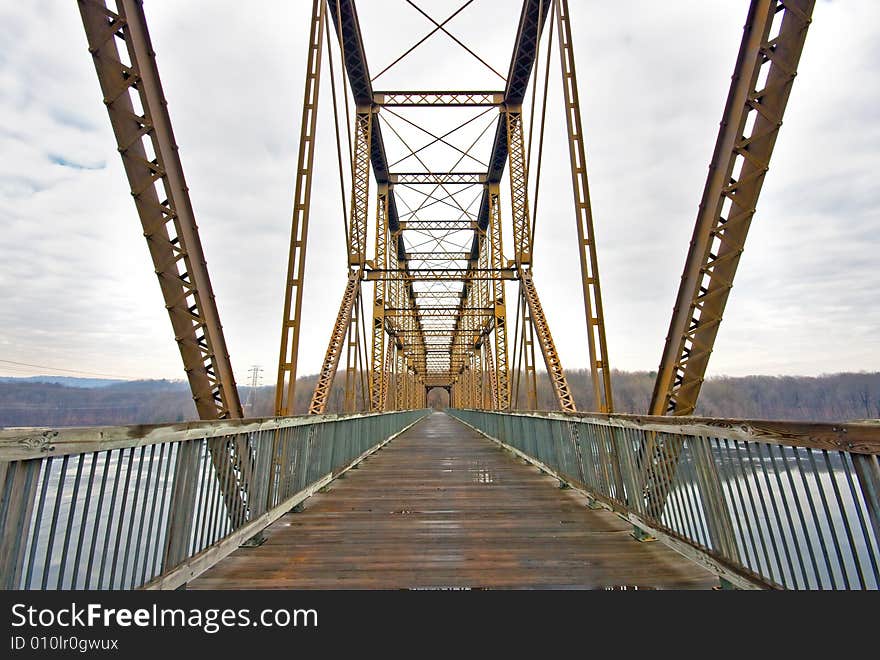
point(477, 362)
point(502, 376)
point(762, 80)
point(386, 376)
point(600, 370)
point(285, 386)
point(519, 186)
point(399, 379)
point(493, 375)
point(360, 189)
point(378, 375)
point(150, 157)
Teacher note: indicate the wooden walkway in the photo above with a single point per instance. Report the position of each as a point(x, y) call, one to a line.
point(441, 506)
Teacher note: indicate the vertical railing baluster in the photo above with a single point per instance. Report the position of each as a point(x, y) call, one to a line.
point(85, 518)
point(866, 535)
point(68, 532)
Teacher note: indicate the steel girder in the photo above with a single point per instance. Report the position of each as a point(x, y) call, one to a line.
point(438, 178)
point(600, 371)
point(482, 279)
point(496, 258)
point(150, 157)
point(762, 81)
point(763, 76)
point(449, 99)
point(285, 385)
point(380, 290)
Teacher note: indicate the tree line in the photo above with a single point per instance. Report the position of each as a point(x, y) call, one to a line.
point(831, 397)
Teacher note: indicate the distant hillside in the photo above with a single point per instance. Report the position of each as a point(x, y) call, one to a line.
point(135, 402)
point(69, 381)
point(834, 397)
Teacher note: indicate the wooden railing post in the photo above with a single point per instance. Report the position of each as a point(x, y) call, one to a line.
point(18, 485)
point(183, 497)
point(715, 509)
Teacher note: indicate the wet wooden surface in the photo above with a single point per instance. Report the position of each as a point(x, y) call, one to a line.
point(441, 506)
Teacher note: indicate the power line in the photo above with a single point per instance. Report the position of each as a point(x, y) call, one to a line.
point(73, 371)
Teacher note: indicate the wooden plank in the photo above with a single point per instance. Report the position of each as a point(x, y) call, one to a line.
point(683, 546)
point(854, 437)
point(442, 507)
point(33, 442)
point(194, 566)
point(25, 443)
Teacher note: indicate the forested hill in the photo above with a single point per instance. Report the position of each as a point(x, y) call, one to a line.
point(835, 397)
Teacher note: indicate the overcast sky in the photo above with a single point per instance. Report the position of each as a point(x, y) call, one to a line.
point(76, 280)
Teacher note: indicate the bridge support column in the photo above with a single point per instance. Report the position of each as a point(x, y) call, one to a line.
point(501, 367)
point(600, 371)
point(285, 387)
point(378, 374)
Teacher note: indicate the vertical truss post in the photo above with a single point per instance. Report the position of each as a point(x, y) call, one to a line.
point(399, 378)
point(285, 386)
point(600, 371)
point(347, 318)
point(519, 178)
point(341, 327)
point(386, 376)
point(360, 188)
point(477, 365)
point(492, 403)
point(502, 371)
point(762, 81)
point(150, 157)
point(381, 287)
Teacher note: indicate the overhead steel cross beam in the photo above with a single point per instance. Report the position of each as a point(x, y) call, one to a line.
point(449, 99)
point(150, 157)
point(765, 70)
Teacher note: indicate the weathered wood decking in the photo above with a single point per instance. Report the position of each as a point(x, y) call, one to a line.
point(441, 506)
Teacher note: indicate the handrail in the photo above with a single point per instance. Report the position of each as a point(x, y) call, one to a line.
point(124, 507)
point(860, 437)
point(761, 504)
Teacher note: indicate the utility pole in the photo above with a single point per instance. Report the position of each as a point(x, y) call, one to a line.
point(255, 379)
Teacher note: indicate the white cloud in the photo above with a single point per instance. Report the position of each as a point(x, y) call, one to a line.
point(77, 279)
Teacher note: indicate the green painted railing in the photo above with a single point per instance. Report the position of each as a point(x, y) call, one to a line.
point(154, 506)
point(762, 504)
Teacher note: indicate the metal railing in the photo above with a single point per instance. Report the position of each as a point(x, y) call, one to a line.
point(127, 507)
point(762, 504)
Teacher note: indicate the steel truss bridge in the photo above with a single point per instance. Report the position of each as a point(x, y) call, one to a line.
point(759, 504)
